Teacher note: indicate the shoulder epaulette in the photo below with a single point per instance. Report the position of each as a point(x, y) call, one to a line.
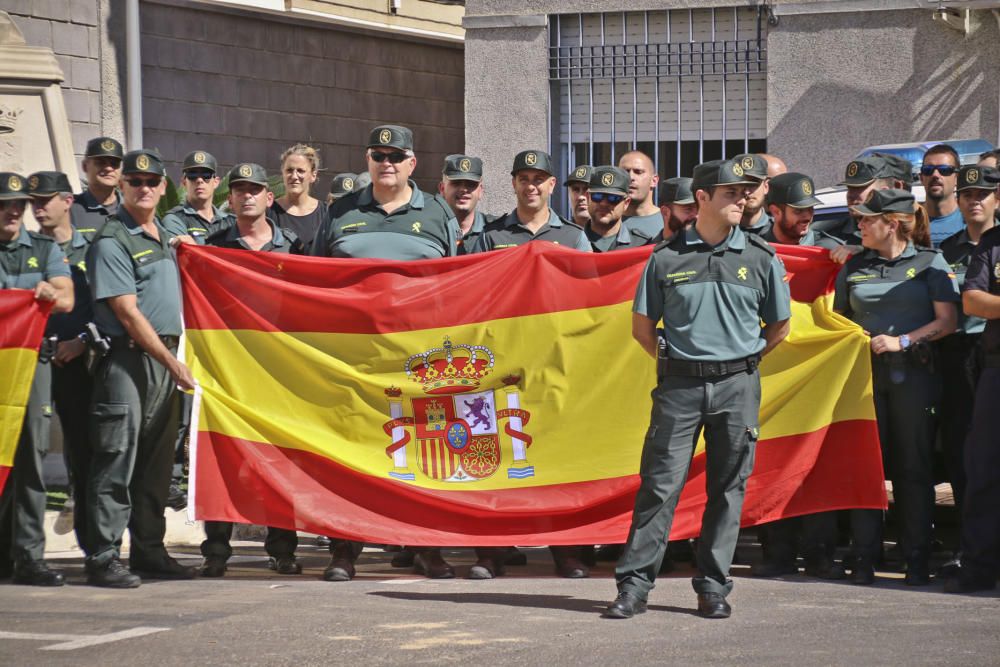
point(761, 243)
point(40, 237)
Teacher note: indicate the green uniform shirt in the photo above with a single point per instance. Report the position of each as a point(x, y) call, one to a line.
point(894, 296)
point(712, 299)
point(957, 251)
point(183, 219)
point(145, 268)
point(814, 238)
point(763, 224)
point(466, 243)
point(620, 241)
point(29, 259)
point(647, 226)
point(88, 216)
point(508, 232)
point(282, 240)
point(70, 325)
point(424, 228)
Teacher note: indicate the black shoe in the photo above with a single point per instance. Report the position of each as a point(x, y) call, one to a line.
point(403, 558)
point(570, 567)
point(625, 605)
point(430, 564)
point(214, 566)
point(37, 573)
point(339, 569)
point(713, 605)
point(770, 568)
point(951, 568)
point(609, 553)
point(485, 568)
point(113, 575)
point(826, 568)
point(917, 574)
point(863, 573)
point(515, 557)
point(176, 498)
point(167, 568)
point(964, 583)
point(285, 564)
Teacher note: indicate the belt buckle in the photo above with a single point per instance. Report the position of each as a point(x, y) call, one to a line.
point(710, 368)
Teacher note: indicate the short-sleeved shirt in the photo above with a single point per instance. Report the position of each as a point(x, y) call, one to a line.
point(647, 226)
point(712, 299)
point(183, 219)
point(983, 275)
point(305, 227)
point(945, 226)
point(282, 240)
point(762, 225)
point(358, 226)
point(957, 250)
point(29, 259)
point(894, 296)
point(70, 325)
point(818, 239)
point(508, 232)
point(88, 216)
point(619, 241)
point(145, 267)
point(466, 242)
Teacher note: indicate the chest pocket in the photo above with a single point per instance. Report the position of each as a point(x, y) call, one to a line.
point(142, 250)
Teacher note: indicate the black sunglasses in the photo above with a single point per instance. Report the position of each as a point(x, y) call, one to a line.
point(610, 198)
point(152, 181)
point(394, 158)
point(943, 169)
point(195, 174)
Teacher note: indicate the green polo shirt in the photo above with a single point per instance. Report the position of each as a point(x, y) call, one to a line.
point(88, 216)
point(183, 219)
point(712, 299)
point(466, 242)
point(423, 228)
point(283, 241)
point(957, 250)
point(813, 238)
point(647, 226)
point(619, 241)
point(508, 232)
point(763, 224)
point(894, 296)
point(144, 267)
point(29, 259)
point(70, 325)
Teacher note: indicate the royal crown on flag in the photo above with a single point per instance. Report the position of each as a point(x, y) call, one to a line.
point(450, 369)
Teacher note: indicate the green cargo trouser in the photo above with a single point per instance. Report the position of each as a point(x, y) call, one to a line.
point(133, 430)
point(22, 508)
point(727, 409)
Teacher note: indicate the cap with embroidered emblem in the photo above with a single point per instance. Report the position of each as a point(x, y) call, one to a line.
point(48, 183)
point(865, 170)
point(886, 201)
point(200, 160)
point(343, 184)
point(391, 136)
point(462, 168)
point(974, 177)
point(753, 165)
point(676, 190)
point(532, 159)
point(719, 172)
point(143, 162)
point(611, 180)
point(579, 175)
point(13, 186)
point(104, 147)
point(792, 189)
point(248, 172)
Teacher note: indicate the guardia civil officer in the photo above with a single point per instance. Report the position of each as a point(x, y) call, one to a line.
point(135, 288)
point(533, 219)
point(711, 286)
point(791, 203)
point(903, 296)
point(959, 353)
point(51, 201)
point(608, 199)
point(102, 167)
point(755, 216)
point(390, 218)
point(980, 527)
point(198, 216)
point(297, 210)
point(461, 187)
point(677, 206)
point(577, 184)
point(642, 217)
point(34, 262)
point(342, 184)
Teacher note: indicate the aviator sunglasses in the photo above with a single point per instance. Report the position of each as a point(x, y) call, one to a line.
point(604, 196)
point(152, 181)
point(394, 158)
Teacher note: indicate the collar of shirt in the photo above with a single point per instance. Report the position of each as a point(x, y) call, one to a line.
point(277, 238)
point(512, 220)
point(478, 223)
point(22, 239)
point(216, 213)
point(91, 204)
point(909, 251)
point(765, 220)
point(621, 238)
point(77, 240)
point(736, 240)
point(367, 198)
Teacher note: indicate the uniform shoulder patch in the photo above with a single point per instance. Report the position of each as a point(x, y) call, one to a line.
point(761, 243)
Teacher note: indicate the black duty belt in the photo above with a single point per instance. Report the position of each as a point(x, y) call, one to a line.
point(118, 342)
point(711, 369)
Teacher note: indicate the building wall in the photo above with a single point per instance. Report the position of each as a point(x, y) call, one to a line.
point(246, 87)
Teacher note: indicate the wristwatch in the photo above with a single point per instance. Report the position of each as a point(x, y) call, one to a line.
point(904, 341)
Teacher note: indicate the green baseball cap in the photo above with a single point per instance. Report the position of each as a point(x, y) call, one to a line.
point(343, 184)
point(143, 161)
point(48, 183)
point(391, 136)
point(676, 190)
point(104, 147)
point(753, 165)
point(611, 180)
point(200, 160)
point(463, 168)
point(720, 172)
point(792, 189)
point(363, 180)
point(13, 186)
point(532, 159)
point(886, 201)
point(248, 172)
point(896, 167)
point(864, 171)
point(579, 175)
point(973, 177)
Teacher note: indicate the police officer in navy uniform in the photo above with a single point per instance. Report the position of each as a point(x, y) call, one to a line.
point(102, 166)
point(33, 262)
point(461, 187)
point(577, 183)
point(608, 199)
point(903, 296)
point(711, 286)
point(197, 216)
point(532, 219)
point(980, 527)
point(135, 288)
point(51, 202)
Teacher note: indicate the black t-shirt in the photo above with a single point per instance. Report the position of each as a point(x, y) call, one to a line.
point(303, 226)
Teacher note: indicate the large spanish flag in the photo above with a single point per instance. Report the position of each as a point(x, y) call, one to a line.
point(484, 400)
point(22, 323)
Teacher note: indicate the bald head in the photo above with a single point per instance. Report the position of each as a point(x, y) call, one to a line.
point(775, 165)
point(642, 182)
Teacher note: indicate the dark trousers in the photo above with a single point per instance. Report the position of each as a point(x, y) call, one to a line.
point(22, 506)
point(814, 536)
point(959, 357)
point(183, 431)
point(133, 431)
point(218, 534)
point(980, 513)
point(727, 409)
point(72, 388)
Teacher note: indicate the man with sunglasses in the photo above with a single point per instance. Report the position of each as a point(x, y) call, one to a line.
point(608, 199)
point(532, 219)
point(712, 286)
point(391, 218)
point(461, 187)
point(939, 176)
point(102, 165)
point(197, 217)
point(135, 288)
point(34, 262)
